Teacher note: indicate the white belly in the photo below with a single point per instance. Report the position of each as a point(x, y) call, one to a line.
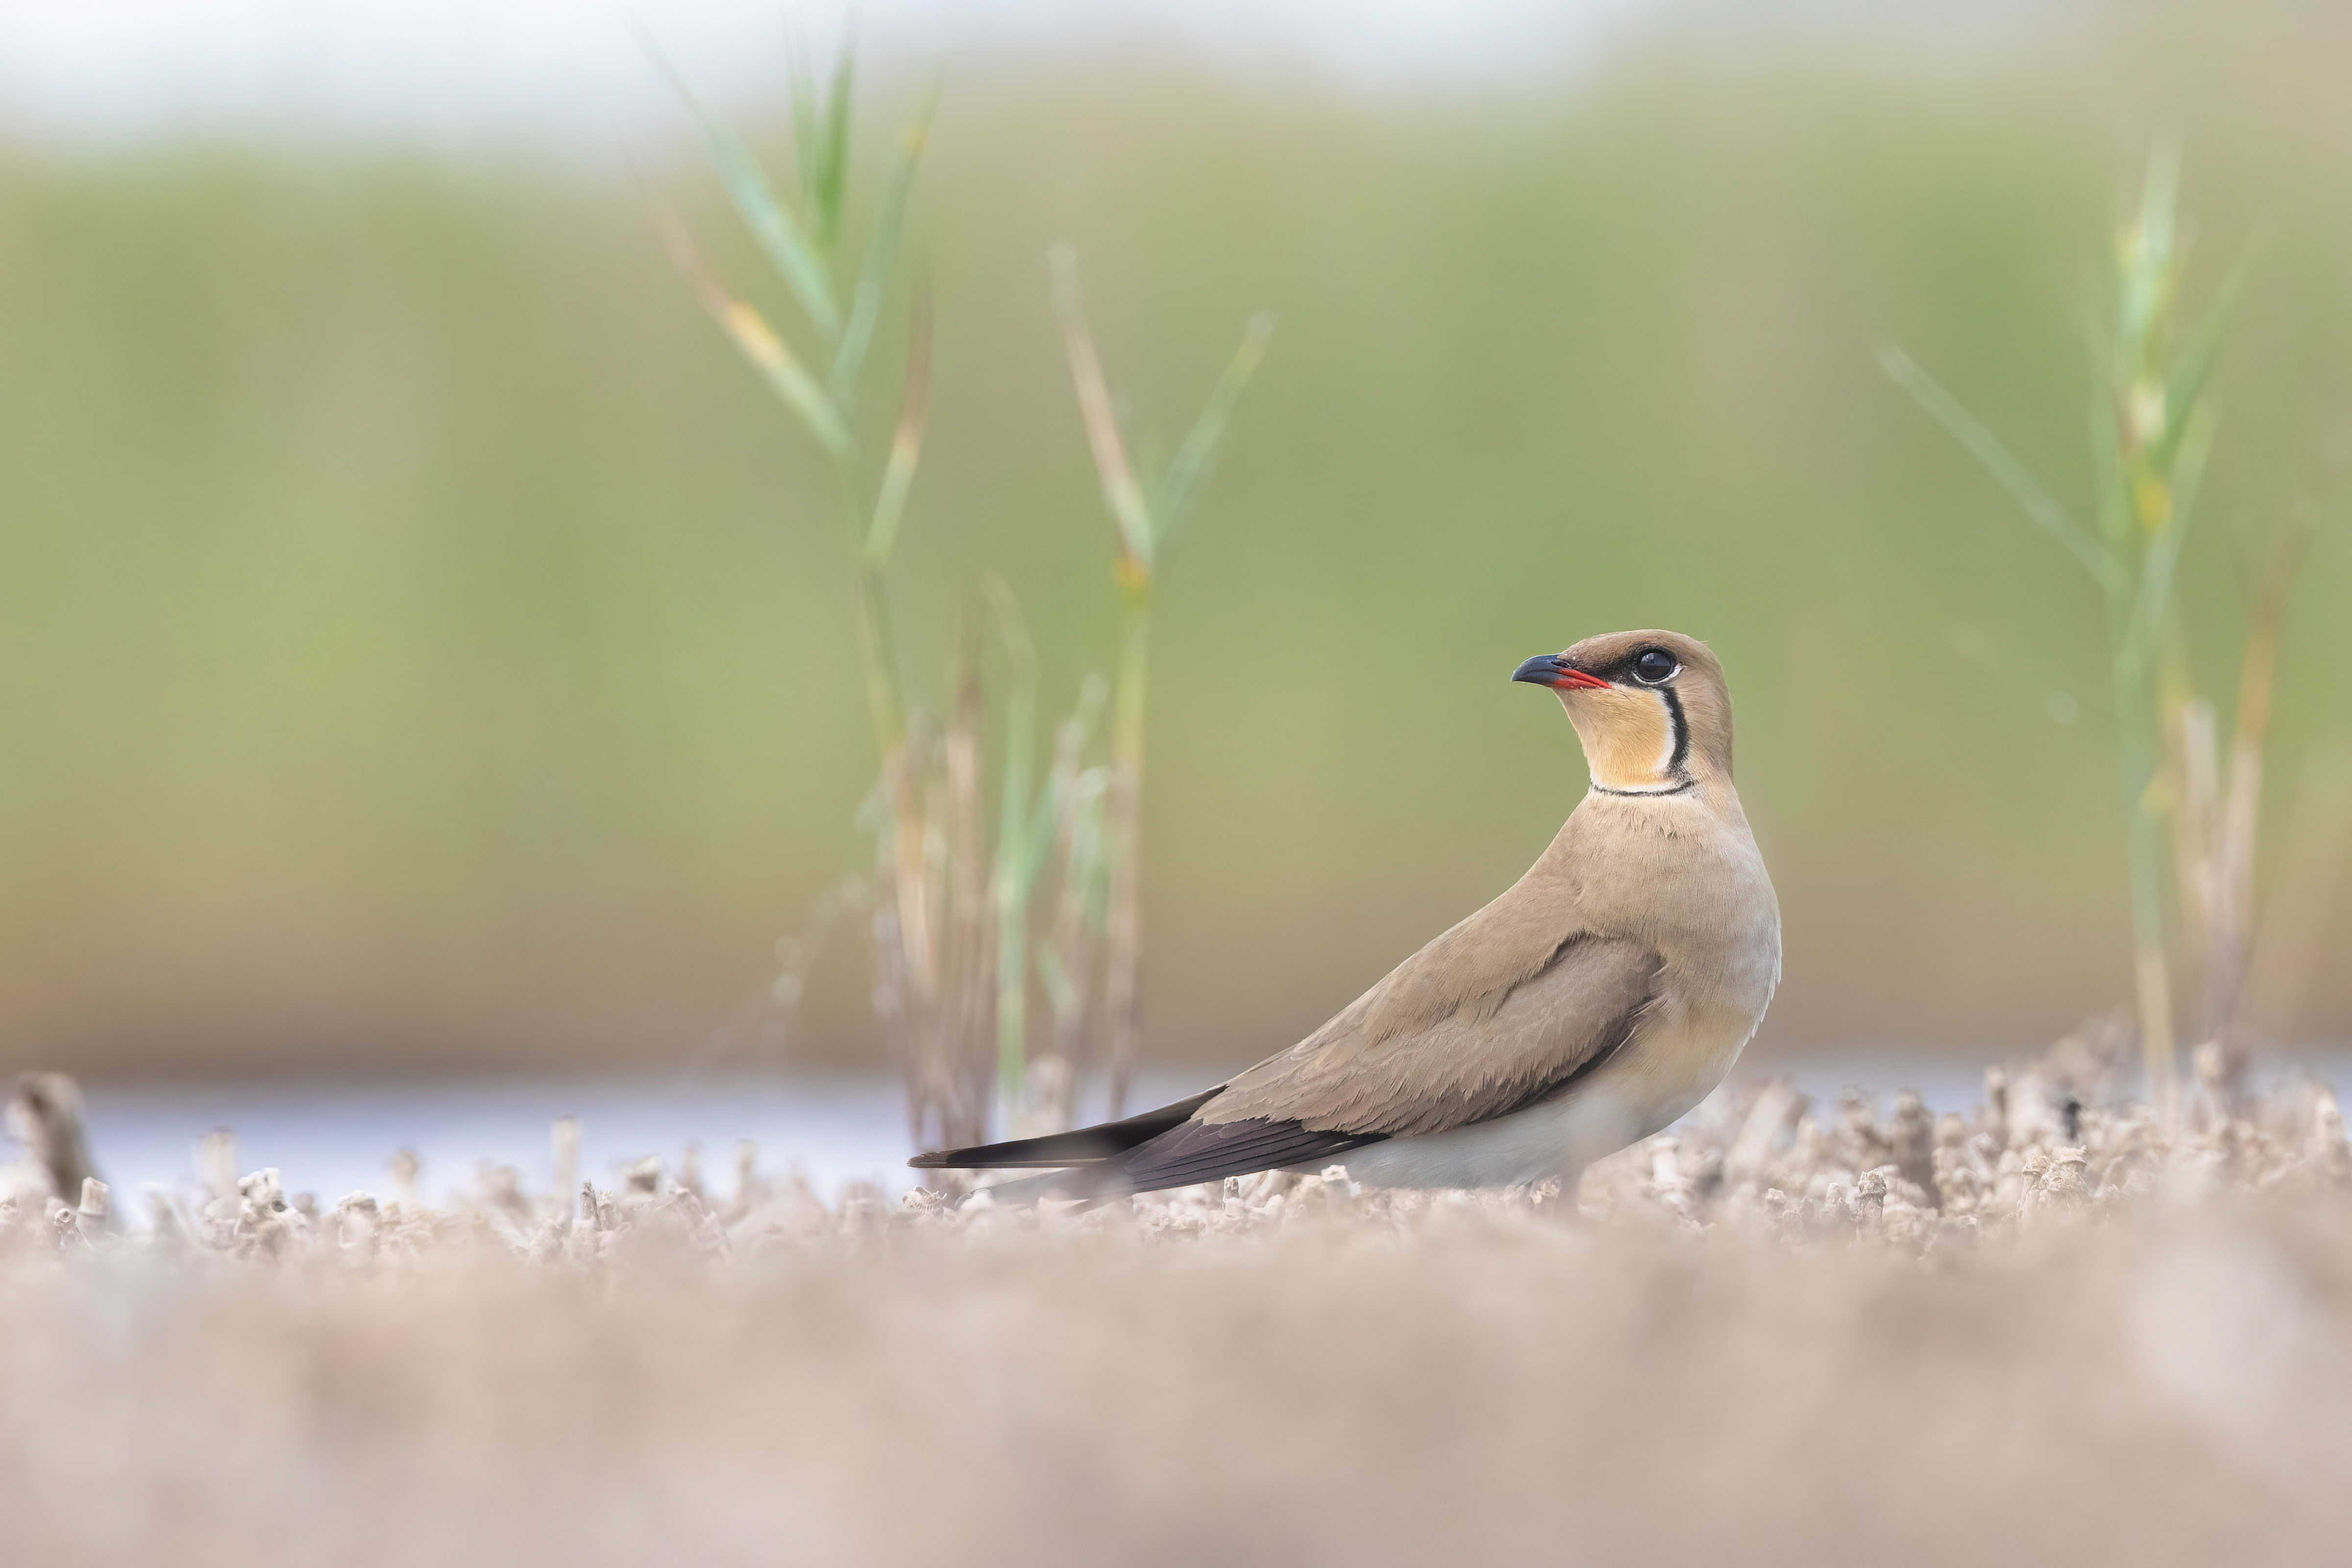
point(1640, 1090)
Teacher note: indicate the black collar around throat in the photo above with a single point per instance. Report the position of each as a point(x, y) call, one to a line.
point(1683, 787)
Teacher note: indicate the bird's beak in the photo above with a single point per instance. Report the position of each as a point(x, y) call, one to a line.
point(1553, 670)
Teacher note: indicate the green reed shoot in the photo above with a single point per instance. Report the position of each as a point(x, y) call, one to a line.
point(930, 918)
point(2152, 431)
point(802, 240)
point(1067, 959)
point(1031, 828)
point(1146, 518)
point(951, 912)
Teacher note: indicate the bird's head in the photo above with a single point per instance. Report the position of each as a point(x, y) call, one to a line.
point(1651, 708)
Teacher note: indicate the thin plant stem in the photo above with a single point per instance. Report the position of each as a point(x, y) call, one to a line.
point(1146, 517)
point(1123, 982)
point(2151, 973)
point(1012, 877)
point(2241, 809)
point(876, 644)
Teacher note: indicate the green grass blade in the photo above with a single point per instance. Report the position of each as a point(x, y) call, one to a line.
point(1087, 870)
point(758, 341)
point(1060, 995)
point(881, 253)
point(1009, 878)
point(1987, 449)
point(907, 441)
point(1013, 872)
point(1093, 802)
point(1074, 736)
point(828, 174)
point(2194, 366)
point(1020, 727)
point(2144, 259)
point(771, 223)
point(2161, 565)
point(1177, 486)
point(1121, 493)
point(2106, 461)
point(800, 390)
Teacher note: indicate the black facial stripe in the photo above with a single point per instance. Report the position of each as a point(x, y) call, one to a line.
point(1628, 668)
point(1682, 731)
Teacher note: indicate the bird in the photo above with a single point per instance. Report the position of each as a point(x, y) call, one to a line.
point(1598, 998)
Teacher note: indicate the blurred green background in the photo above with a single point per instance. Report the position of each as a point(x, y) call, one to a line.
point(425, 645)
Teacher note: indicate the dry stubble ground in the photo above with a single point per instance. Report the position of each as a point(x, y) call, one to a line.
point(1791, 1334)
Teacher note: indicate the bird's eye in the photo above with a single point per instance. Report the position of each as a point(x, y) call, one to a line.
point(1653, 666)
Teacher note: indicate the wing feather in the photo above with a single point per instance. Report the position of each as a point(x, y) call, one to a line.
point(1202, 1151)
point(1496, 1048)
point(1510, 1006)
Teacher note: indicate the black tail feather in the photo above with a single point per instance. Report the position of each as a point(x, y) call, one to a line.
point(1188, 1152)
point(1087, 1146)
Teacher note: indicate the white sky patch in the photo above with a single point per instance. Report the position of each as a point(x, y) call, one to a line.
point(456, 74)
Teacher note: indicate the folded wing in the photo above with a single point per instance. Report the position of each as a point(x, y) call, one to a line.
point(1454, 1060)
point(1510, 1008)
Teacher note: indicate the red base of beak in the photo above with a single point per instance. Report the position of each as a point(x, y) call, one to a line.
point(1552, 670)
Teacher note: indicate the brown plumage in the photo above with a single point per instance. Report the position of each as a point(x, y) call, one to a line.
point(1599, 996)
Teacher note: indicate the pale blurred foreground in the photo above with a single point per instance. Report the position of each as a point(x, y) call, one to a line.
point(1790, 1333)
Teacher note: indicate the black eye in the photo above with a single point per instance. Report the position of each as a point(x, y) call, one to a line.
point(1653, 666)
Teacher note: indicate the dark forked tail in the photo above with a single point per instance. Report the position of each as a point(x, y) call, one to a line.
point(1158, 1149)
point(1087, 1146)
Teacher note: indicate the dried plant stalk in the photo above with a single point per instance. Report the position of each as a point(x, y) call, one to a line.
point(2290, 934)
point(2238, 824)
point(2217, 820)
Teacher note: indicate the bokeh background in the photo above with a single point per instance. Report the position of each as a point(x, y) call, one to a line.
point(426, 648)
